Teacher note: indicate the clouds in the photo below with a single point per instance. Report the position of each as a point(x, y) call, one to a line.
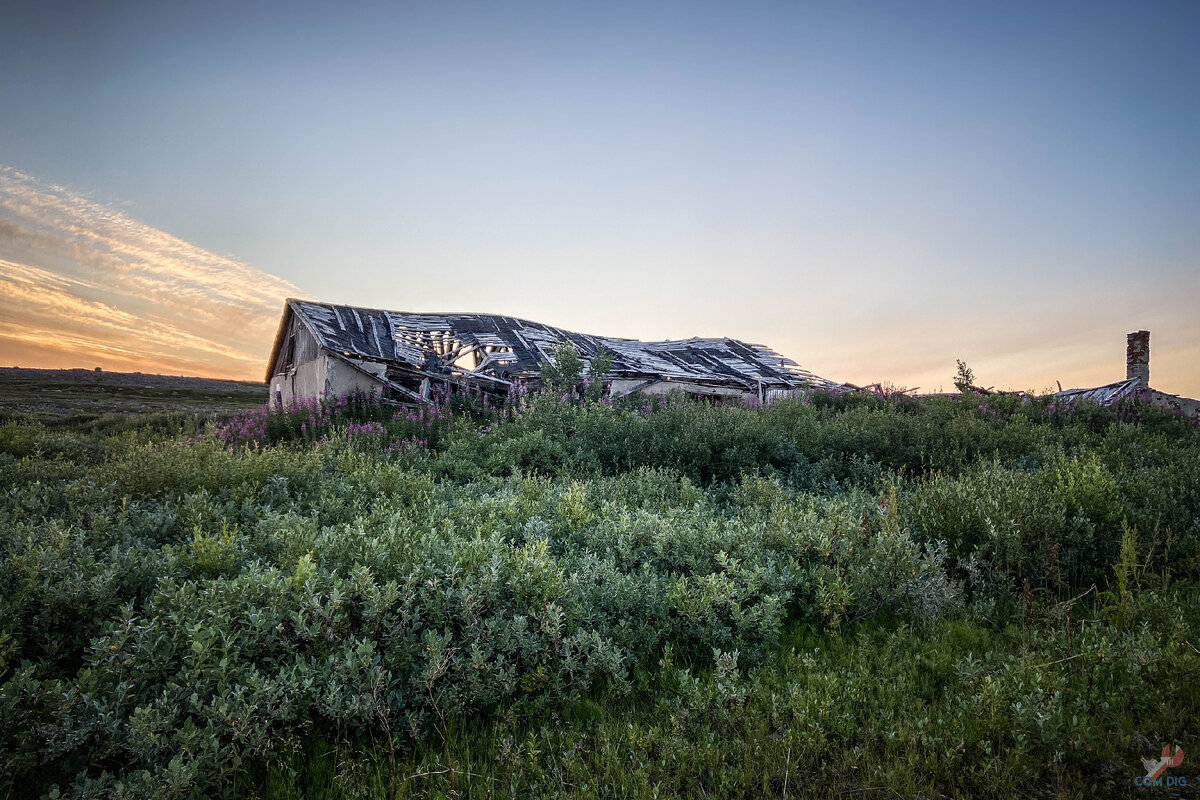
point(83, 284)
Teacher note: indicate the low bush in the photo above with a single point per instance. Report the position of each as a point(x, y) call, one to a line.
point(562, 596)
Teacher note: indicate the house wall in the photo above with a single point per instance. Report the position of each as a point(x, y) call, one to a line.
point(300, 341)
point(341, 378)
point(323, 377)
point(305, 381)
point(771, 395)
point(1184, 405)
point(622, 387)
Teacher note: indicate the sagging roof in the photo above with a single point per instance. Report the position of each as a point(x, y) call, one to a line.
point(1104, 395)
point(501, 349)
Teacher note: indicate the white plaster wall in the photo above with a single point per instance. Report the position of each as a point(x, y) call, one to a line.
point(344, 379)
point(323, 377)
point(621, 387)
point(782, 394)
point(305, 381)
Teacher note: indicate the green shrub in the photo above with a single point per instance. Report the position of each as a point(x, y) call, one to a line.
point(566, 597)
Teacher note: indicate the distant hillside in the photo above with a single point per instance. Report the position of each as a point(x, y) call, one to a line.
point(77, 395)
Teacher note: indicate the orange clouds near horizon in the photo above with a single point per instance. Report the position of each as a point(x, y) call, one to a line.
point(84, 285)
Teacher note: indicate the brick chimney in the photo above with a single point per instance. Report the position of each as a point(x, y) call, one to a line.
point(1137, 357)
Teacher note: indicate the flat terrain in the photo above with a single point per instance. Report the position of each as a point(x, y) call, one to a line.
point(80, 396)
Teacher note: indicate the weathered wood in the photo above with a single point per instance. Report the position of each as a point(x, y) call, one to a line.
point(506, 348)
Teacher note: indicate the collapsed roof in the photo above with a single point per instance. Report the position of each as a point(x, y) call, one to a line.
point(1104, 395)
point(487, 349)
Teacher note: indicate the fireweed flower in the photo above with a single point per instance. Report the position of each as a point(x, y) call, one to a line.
point(364, 429)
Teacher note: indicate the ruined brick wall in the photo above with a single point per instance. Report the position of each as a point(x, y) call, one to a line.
point(1184, 406)
point(1137, 357)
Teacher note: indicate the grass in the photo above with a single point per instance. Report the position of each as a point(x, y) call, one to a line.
point(76, 399)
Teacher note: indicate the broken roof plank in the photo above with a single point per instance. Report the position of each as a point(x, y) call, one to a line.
point(427, 343)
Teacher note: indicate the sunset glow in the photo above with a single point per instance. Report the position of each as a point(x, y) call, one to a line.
point(82, 285)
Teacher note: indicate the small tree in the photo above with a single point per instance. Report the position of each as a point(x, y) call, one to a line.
point(565, 369)
point(597, 372)
point(964, 378)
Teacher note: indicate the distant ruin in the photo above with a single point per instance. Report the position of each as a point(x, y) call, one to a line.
point(1136, 383)
point(323, 350)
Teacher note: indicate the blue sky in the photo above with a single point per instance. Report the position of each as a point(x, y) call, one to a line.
point(873, 189)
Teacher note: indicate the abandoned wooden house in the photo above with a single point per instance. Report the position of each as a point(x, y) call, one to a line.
point(1136, 383)
point(323, 350)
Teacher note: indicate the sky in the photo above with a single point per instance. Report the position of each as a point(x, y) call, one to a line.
point(873, 189)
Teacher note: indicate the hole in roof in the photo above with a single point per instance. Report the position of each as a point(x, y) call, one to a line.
point(468, 360)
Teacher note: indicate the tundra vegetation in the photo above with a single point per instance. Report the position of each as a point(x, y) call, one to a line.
point(563, 596)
